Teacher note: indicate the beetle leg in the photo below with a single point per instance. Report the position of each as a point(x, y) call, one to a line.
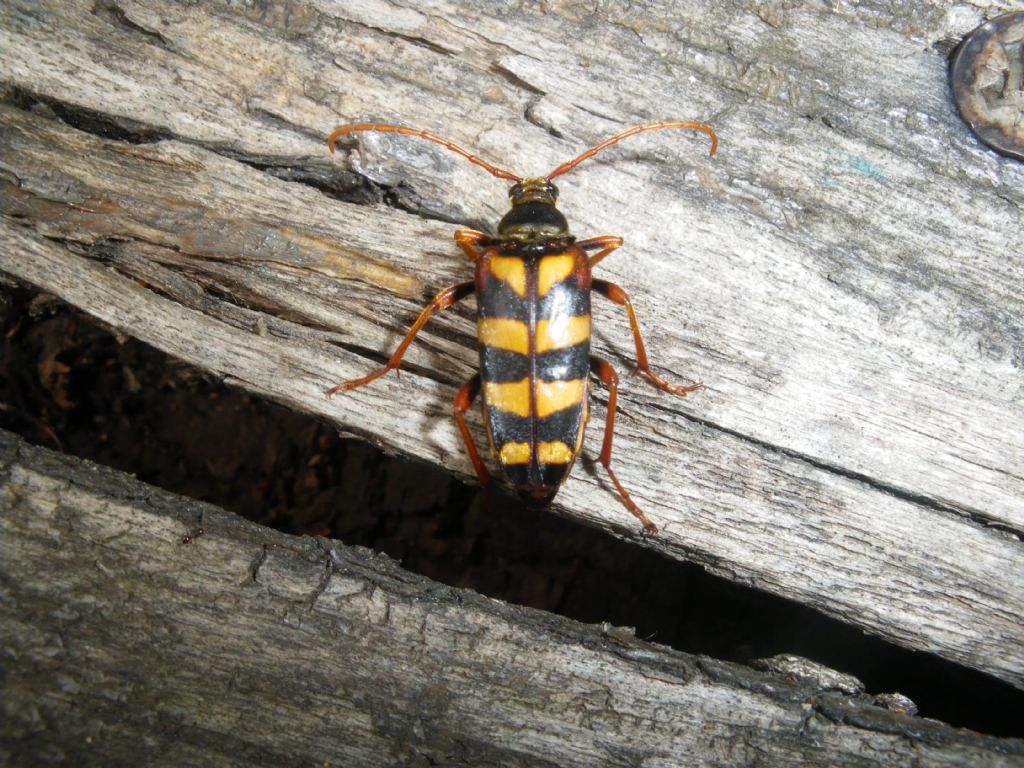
point(441, 302)
point(604, 371)
point(607, 243)
point(469, 240)
point(463, 402)
point(615, 294)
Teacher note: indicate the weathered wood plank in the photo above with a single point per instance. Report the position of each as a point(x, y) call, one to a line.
point(843, 276)
point(124, 644)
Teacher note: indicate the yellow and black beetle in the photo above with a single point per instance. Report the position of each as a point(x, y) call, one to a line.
point(533, 284)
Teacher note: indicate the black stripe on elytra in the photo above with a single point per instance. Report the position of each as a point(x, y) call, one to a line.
point(499, 300)
point(518, 474)
point(501, 365)
point(564, 364)
point(553, 474)
point(508, 428)
point(561, 425)
point(564, 299)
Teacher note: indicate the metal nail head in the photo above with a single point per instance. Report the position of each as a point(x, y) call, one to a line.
point(988, 83)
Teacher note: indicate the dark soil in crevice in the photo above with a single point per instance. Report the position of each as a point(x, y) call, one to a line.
point(69, 384)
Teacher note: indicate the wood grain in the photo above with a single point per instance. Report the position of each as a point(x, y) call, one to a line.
point(130, 638)
point(844, 276)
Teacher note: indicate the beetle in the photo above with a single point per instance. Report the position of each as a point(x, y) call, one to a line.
point(533, 284)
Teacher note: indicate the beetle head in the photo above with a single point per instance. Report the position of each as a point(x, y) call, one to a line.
point(533, 215)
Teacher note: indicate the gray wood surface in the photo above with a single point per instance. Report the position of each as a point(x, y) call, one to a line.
point(844, 276)
point(125, 645)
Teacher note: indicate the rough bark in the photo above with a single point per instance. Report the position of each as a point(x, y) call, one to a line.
point(143, 628)
point(844, 276)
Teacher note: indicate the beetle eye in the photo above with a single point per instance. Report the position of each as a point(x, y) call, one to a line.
point(552, 190)
point(516, 190)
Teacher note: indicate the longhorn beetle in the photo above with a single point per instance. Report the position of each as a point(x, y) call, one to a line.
point(533, 283)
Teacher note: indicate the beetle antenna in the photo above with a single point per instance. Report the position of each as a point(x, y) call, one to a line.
point(687, 124)
point(344, 130)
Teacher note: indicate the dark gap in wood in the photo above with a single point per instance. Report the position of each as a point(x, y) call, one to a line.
point(115, 14)
point(102, 124)
point(405, 197)
point(422, 42)
point(515, 80)
point(68, 383)
point(333, 180)
point(533, 117)
point(351, 187)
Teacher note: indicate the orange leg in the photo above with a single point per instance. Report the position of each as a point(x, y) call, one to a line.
point(603, 370)
point(617, 295)
point(607, 243)
point(470, 241)
point(441, 302)
point(463, 402)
